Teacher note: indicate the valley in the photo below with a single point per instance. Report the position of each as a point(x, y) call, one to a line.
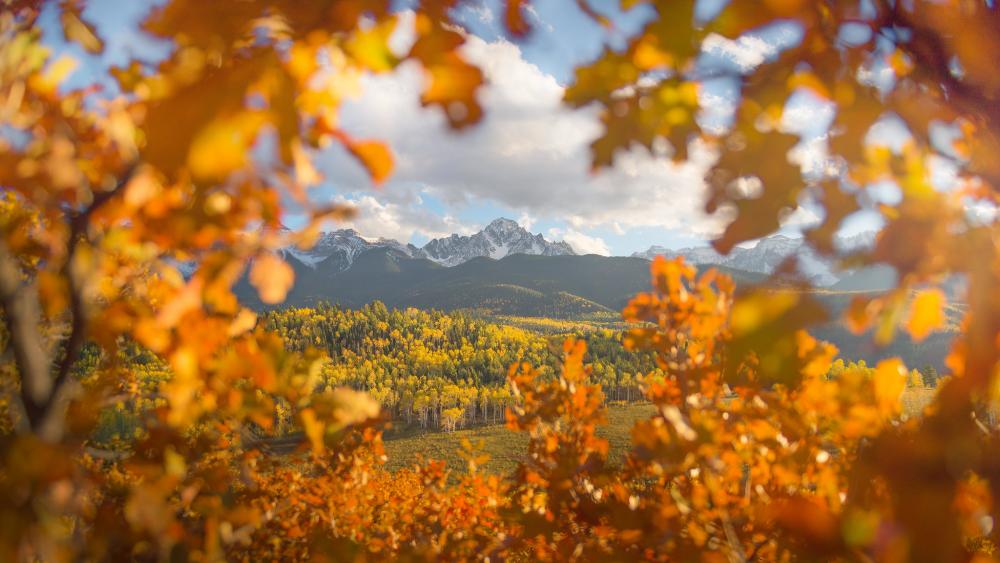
point(506, 275)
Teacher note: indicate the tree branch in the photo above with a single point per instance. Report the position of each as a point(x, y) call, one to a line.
point(20, 305)
point(44, 398)
point(65, 389)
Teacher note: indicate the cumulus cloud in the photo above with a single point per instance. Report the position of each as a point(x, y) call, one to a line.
point(397, 214)
point(581, 243)
point(526, 221)
point(530, 154)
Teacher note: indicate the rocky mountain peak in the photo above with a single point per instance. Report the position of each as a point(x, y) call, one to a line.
point(336, 250)
point(502, 225)
point(500, 238)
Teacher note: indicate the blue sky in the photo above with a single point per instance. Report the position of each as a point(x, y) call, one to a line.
point(527, 161)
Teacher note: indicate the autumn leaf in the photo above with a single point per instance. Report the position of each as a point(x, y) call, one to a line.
point(76, 29)
point(54, 74)
point(890, 380)
point(314, 430)
point(375, 156)
point(926, 313)
point(370, 47)
point(223, 146)
point(514, 18)
point(272, 277)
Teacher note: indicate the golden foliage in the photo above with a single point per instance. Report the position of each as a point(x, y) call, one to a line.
point(754, 453)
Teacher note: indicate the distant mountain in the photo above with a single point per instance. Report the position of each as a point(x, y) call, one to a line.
point(766, 255)
point(570, 287)
point(563, 286)
point(500, 238)
point(336, 251)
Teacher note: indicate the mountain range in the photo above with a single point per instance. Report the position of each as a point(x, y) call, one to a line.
point(561, 286)
point(505, 271)
point(768, 253)
point(336, 251)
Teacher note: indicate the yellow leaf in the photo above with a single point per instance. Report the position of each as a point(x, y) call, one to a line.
point(305, 173)
point(760, 308)
point(54, 74)
point(647, 55)
point(926, 313)
point(890, 380)
point(314, 430)
point(75, 29)
point(245, 320)
point(809, 81)
point(370, 47)
point(272, 277)
point(223, 145)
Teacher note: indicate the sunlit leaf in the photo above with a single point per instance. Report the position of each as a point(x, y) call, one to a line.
point(272, 277)
point(76, 29)
point(926, 313)
point(375, 156)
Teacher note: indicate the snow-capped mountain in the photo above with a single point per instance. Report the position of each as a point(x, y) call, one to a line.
point(767, 254)
point(695, 255)
point(498, 239)
point(335, 251)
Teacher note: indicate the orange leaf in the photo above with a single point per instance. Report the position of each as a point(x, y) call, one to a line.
point(517, 24)
point(926, 313)
point(272, 277)
point(314, 429)
point(223, 145)
point(890, 379)
point(375, 156)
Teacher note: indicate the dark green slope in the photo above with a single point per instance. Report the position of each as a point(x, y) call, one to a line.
point(557, 286)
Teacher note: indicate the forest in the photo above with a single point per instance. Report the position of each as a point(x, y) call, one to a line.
point(426, 369)
point(156, 171)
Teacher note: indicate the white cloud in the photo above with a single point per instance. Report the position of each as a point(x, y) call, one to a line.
point(530, 154)
point(398, 215)
point(526, 221)
point(581, 243)
point(746, 51)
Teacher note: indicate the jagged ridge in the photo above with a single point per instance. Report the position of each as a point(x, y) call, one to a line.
point(336, 251)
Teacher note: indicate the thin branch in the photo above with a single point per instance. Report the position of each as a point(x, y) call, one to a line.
point(20, 305)
point(78, 230)
point(43, 397)
point(66, 389)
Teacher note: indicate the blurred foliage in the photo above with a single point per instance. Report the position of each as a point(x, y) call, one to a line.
point(753, 453)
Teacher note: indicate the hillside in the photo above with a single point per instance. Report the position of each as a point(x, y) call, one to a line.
point(519, 284)
point(590, 289)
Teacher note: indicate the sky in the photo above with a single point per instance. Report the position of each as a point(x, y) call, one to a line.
point(528, 159)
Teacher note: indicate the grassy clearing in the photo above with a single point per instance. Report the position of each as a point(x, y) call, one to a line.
point(505, 448)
